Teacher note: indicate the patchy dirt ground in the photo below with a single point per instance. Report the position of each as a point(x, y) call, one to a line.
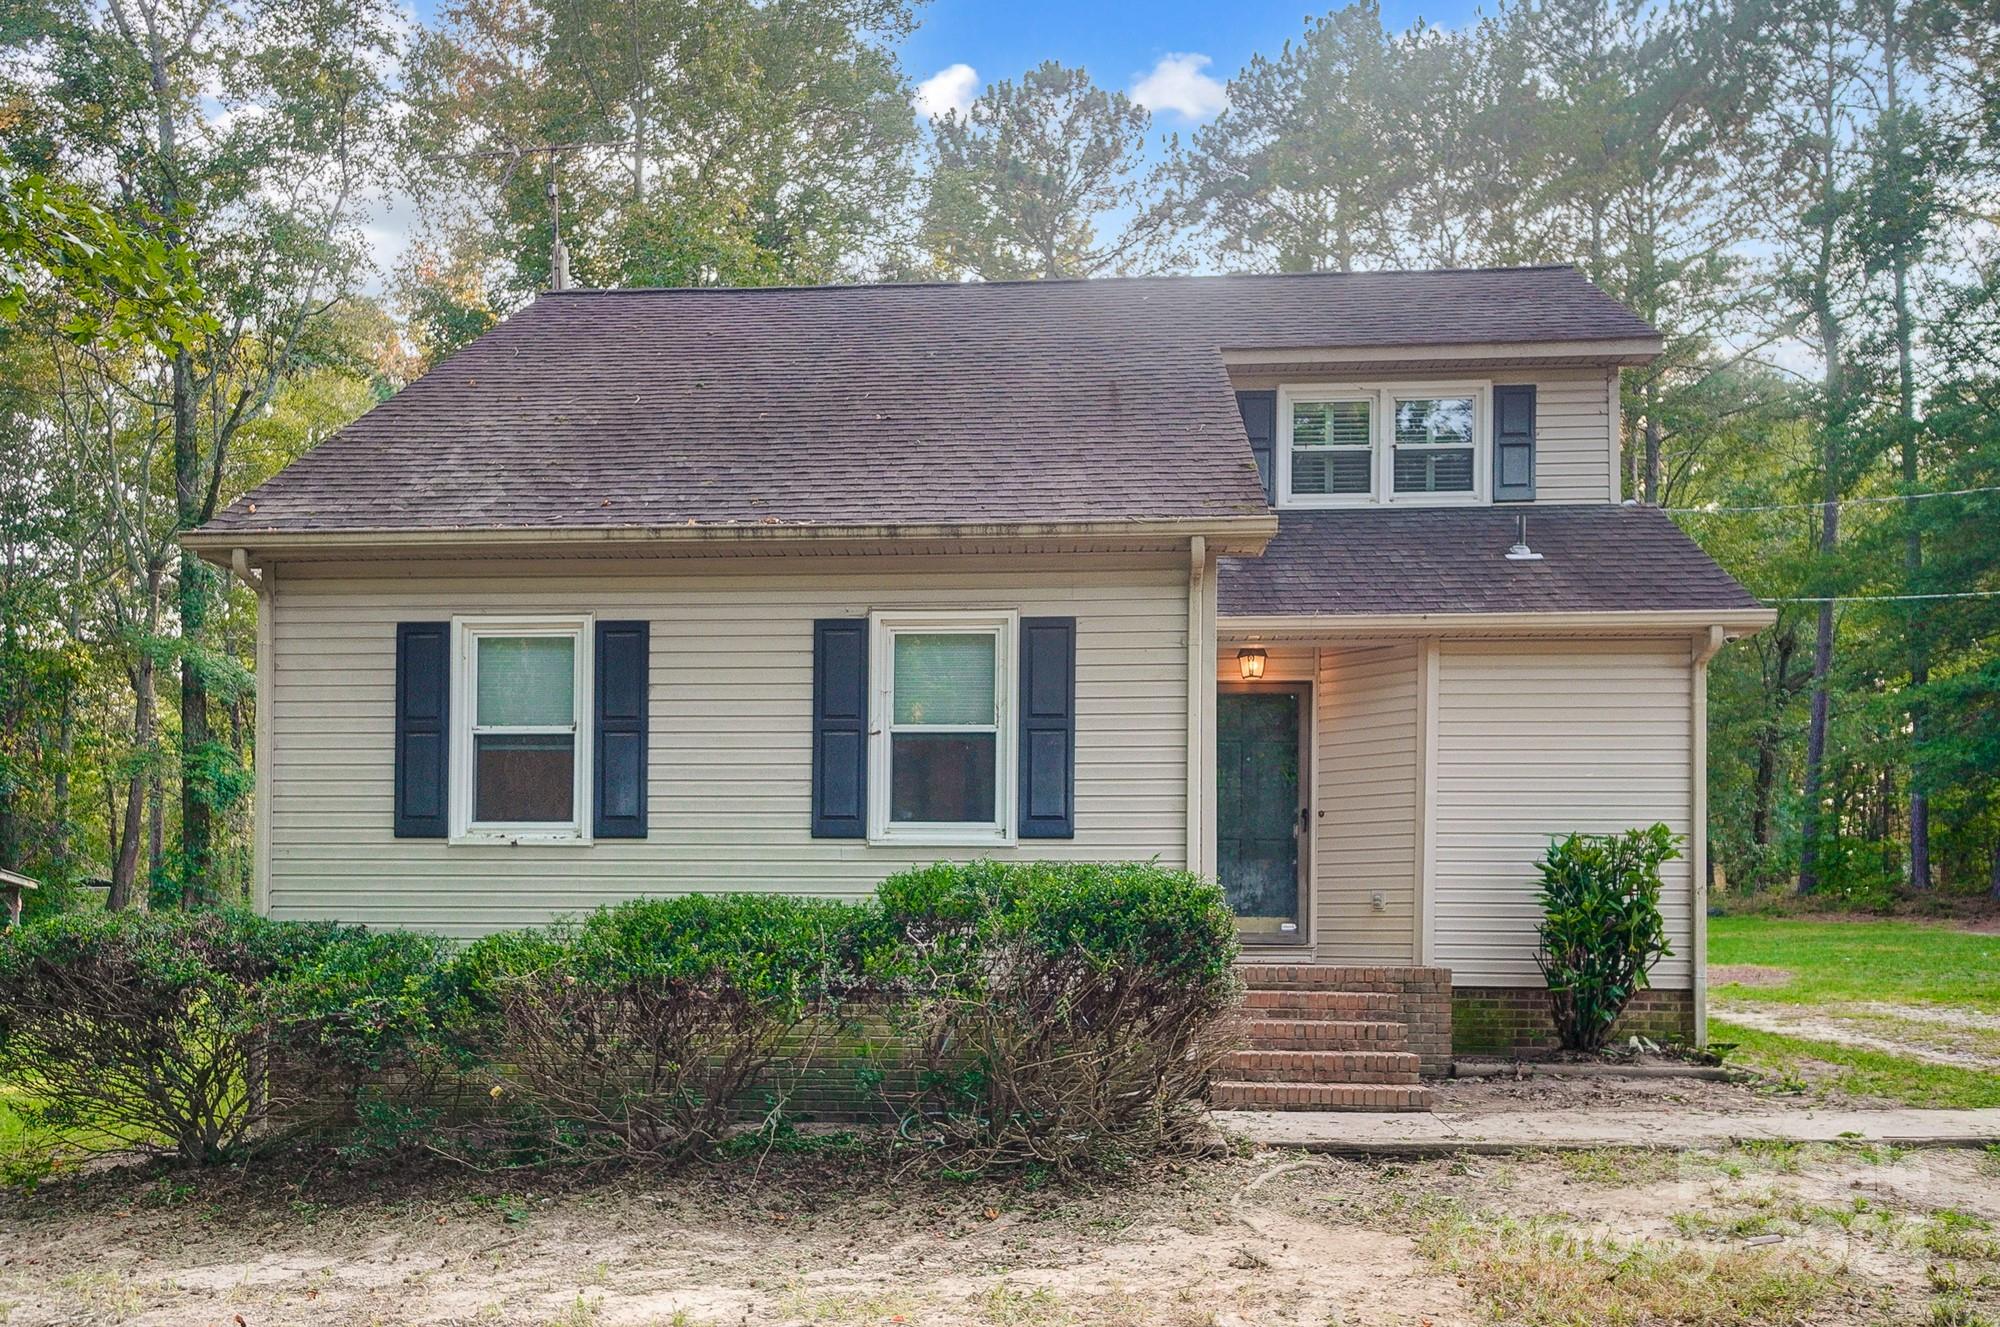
point(1797, 1235)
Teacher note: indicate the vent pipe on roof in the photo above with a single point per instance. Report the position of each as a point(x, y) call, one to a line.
point(1520, 552)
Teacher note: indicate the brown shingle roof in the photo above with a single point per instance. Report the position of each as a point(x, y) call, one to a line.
point(1595, 558)
point(875, 405)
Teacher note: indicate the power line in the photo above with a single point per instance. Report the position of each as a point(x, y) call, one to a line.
point(1880, 598)
point(1843, 502)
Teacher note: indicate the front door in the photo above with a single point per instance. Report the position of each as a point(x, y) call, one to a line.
point(1259, 796)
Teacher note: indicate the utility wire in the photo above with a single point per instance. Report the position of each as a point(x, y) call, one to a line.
point(1880, 598)
point(1843, 502)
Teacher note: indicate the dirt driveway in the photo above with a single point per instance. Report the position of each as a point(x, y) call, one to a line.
point(1805, 1235)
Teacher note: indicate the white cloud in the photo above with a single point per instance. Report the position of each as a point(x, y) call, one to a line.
point(1178, 84)
point(949, 89)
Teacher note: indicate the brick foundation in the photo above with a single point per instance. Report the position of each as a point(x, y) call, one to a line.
point(1514, 1020)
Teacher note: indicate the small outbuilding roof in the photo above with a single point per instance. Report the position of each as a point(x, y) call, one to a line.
point(1596, 558)
point(1057, 402)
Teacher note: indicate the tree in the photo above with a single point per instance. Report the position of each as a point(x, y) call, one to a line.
point(738, 142)
point(1022, 182)
point(245, 134)
point(1810, 166)
point(1303, 171)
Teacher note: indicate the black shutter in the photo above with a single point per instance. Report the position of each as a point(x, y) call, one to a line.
point(423, 726)
point(1260, 421)
point(1048, 727)
point(623, 666)
point(840, 728)
point(1513, 444)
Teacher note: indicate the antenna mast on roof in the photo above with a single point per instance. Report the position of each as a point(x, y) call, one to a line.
point(558, 255)
point(558, 251)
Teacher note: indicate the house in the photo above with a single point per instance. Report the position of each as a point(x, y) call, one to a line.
point(1317, 583)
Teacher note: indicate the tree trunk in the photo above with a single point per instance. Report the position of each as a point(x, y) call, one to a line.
point(1834, 417)
point(125, 869)
point(197, 794)
point(1913, 545)
point(1652, 400)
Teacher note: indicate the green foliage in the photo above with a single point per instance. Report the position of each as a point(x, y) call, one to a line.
point(1065, 1014)
point(1601, 930)
point(1022, 180)
point(370, 1024)
point(188, 1031)
point(641, 1031)
point(115, 282)
point(143, 1028)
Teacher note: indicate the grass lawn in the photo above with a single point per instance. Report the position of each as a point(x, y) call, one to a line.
point(1899, 1010)
point(1899, 962)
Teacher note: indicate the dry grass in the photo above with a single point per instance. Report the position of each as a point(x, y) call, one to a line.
point(1539, 1274)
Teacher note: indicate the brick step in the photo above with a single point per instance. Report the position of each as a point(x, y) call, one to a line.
point(1317, 1066)
point(1318, 976)
point(1274, 1002)
point(1230, 1095)
point(1324, 1034)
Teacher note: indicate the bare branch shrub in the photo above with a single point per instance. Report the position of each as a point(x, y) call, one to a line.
point(1062, 1014)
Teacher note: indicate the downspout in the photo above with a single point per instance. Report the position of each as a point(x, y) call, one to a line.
point(1201, 685)
point(1705, 648)
point(262, 581)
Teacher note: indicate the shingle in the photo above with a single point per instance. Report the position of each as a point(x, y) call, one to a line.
point(891, 405)
point(1595, 558)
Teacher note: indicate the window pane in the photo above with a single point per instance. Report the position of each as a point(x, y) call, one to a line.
point(524, 779)
point(1435, 419)
point(1317, 473)
point(1330, 423)
point(941, 778)
point(526, 680)
point(944, 678)
point(1440, 470)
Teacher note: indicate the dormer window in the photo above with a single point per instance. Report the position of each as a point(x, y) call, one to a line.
point(1352, 445)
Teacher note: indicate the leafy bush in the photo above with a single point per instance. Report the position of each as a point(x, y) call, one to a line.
point(145, 1030)
point(1064, 1014)
point(370, 1027)
point(1601, 930)
point(645, 1026)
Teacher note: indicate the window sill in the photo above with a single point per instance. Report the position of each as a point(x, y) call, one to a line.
point(520, 839)
point(942, 838)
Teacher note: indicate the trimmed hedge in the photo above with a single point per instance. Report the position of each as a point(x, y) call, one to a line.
point(1064, 1015)
point(1060, 1014)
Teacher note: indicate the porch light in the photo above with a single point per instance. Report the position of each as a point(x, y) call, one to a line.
point(1251, 662)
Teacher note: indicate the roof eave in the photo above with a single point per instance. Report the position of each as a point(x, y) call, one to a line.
point(1629, 350)
point(1242, 535)
point(1734, 622)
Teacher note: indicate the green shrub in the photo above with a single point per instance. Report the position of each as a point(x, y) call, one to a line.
point(642, 1029)
point(1601, 930)
point(146, 1031)
point(369, 1028)
point(1067, 1015)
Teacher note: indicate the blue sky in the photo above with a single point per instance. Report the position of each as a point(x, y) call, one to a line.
point(1121, 43)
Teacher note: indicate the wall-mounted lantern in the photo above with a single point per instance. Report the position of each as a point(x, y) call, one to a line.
point(1251, 662)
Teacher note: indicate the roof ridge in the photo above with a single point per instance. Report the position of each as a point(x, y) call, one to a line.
point(1119, 279)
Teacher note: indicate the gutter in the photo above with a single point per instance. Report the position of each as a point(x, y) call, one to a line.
point(1235, 535)
point(1724, 623)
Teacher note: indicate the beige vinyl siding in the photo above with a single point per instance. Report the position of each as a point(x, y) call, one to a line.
point(731, 738)
point(1536, 740)
point(1575, 449)
point(1365, 832)
point(1575, 446)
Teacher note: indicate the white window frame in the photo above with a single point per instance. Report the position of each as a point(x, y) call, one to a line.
point(1382, 471)
point(883, 628)
point(466, 632)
